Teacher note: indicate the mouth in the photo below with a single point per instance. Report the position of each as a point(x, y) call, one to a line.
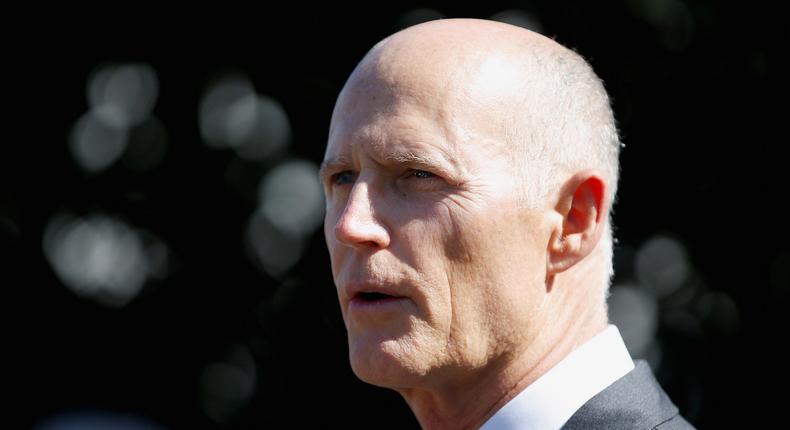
point(372, 296)
point(375, 303)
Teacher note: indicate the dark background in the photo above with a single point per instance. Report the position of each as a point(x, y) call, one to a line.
point(698, 93)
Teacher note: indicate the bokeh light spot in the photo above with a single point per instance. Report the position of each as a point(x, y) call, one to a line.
point(96, 145)
point(662, 265)
point(220, 107)
point(123, 95)
point(100, 258)
point(271, 132)
point(227, 386)
point(272, 250)
point(635, 312)
point(720, 312)
point(292, 198)
point(233, 116)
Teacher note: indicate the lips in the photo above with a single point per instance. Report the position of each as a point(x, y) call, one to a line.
point(373, 297)
point(372, 291)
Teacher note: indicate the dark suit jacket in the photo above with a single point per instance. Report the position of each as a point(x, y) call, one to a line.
point(635, 401)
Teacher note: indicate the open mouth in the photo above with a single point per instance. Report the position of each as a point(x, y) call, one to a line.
point(375, 303)
point(370, 296)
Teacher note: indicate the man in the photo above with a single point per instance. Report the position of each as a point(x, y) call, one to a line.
point(469, 174)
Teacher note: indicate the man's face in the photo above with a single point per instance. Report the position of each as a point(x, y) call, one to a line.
point(439, 268)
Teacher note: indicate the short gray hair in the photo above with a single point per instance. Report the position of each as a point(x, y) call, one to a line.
point(566, 125)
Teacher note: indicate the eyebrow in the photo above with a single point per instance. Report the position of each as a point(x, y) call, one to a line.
point(436, 161)
point(331, 165)
point(409, 157)
point(340, 162)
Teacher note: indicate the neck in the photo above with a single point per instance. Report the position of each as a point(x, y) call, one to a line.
point(469, 404)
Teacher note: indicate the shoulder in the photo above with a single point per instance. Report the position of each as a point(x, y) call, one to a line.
point(635, 401)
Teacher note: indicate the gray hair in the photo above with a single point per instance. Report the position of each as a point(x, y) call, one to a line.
point(566, 125)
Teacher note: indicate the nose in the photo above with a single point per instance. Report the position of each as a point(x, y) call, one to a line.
point(358, 226)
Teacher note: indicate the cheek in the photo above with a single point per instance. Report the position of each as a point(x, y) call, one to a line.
point(419, 232)
point(419, 242)
point(493, 257)
point(463, 235)
point(441, 247)
point(336, 250)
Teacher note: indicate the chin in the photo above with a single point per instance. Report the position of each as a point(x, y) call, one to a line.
point(386, 364)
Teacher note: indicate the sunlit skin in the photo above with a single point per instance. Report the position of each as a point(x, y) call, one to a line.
point(423, 205)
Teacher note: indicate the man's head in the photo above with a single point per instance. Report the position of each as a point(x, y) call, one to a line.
point(469, 174)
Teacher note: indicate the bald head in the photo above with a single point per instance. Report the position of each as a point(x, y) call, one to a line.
point(541, 100)
point(480, 58)
point(479, 63)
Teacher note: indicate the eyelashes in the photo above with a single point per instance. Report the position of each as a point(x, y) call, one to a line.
point(422, 174)
point(344, 177)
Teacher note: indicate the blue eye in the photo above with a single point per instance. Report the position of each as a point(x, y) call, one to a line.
point(342, 178)
point(422, 174)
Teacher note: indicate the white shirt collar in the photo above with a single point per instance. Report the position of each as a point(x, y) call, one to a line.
point(554, 397)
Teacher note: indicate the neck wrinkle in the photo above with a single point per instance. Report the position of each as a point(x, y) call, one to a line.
point(438, 410)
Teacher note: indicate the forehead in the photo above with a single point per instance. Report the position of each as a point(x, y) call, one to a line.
point(444, 105)
point(385, 128)
point(386, 116)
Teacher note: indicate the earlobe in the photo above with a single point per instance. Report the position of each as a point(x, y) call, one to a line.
point(583, 209)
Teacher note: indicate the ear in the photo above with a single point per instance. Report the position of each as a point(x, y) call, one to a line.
point(583, 209)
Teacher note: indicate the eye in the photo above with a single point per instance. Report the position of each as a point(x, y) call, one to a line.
point(422, 174)
point(343, 178)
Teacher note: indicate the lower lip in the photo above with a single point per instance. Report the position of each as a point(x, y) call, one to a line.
point(383, 305)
